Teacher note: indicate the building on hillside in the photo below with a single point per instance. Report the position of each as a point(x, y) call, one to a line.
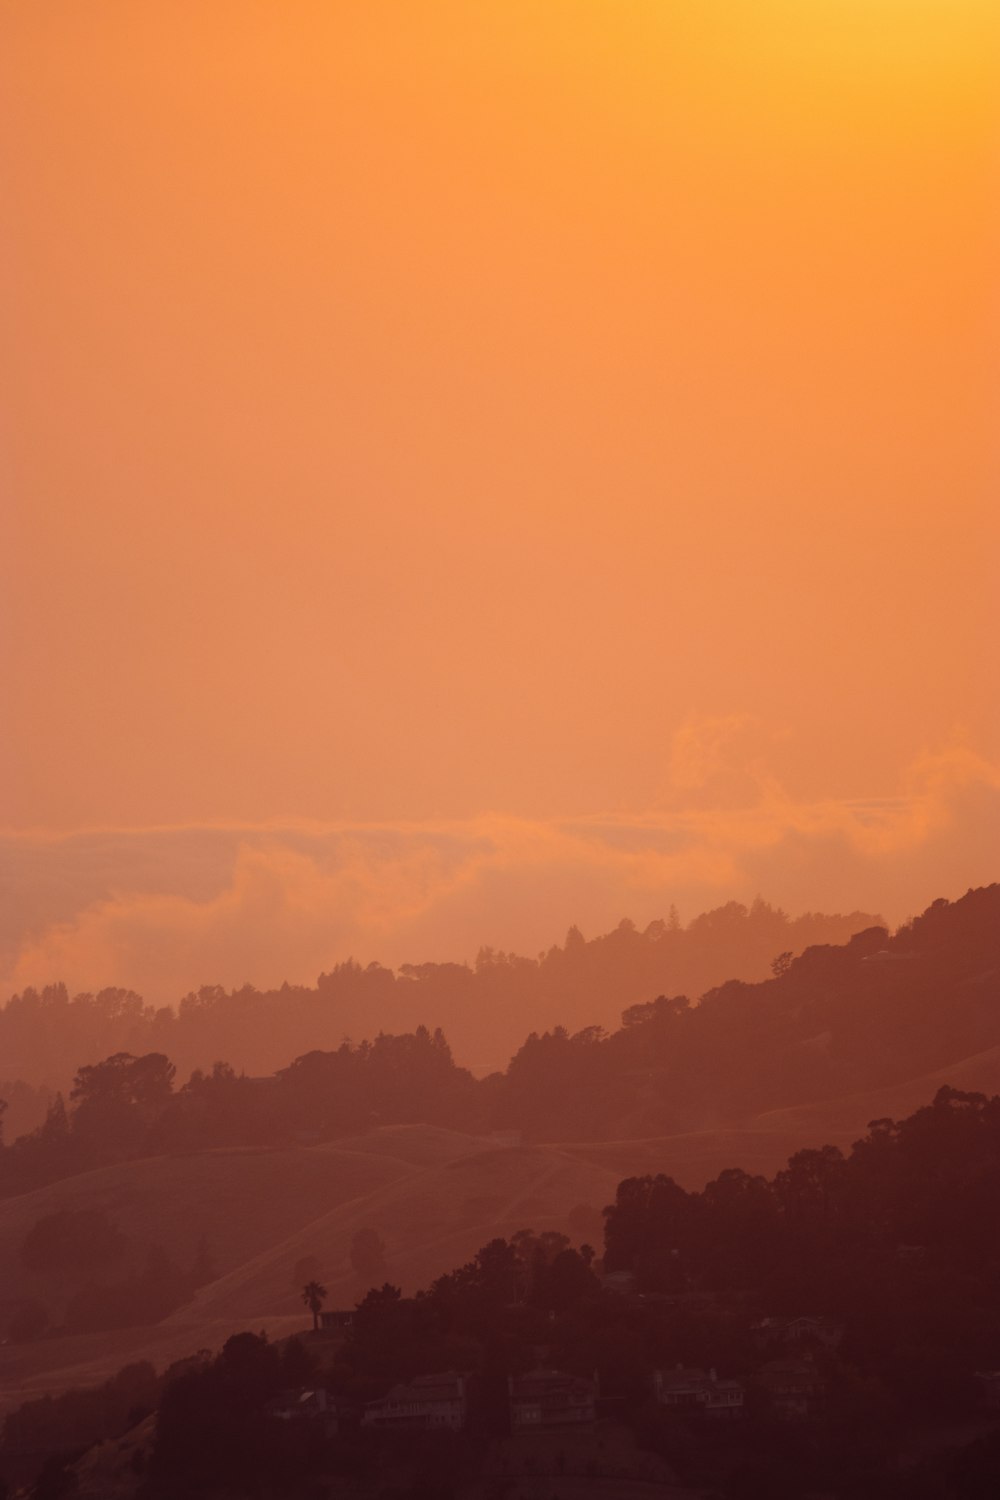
point(551, 1398)
point(336, 1319)
point(438, 1402)
point(911, 1255)
point(690, 1297)
point(622, 1283)
point(801, 1331)
point(694, 1390)
point(795, 1387)
point(313, 1407)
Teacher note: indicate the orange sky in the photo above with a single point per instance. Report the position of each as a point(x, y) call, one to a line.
point(413, 413)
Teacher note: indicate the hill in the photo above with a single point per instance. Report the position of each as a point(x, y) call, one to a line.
point(241, 1201)
point(868, 1015)
point(486, 1008)
point(434, 1196)
point(979, 1074)
point(836, 1038)
point(879, 1242)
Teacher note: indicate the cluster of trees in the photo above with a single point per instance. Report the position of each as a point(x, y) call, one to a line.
point(895, 1243)
point(871, 1012)
point(875, 1011)
point(114, 1108)
point(81, 1261)
point(41, 1436)
point(127, 1107)
point(22, 1107)
point(147, 1294)
point(485, 1008)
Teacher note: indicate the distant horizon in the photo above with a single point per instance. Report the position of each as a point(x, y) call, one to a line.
point(164, 909)
point(470, 961)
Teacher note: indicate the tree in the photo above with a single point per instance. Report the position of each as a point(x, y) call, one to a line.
point(314, 1295)
point(782, 964)
point(77, 1237)
point(299, 1365)
point(124, 1079)
point(565, 1282)
point(55, 1129)
point(117, 1100)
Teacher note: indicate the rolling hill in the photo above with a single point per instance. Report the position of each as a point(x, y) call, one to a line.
point(840, 1037)
point(435, 1196)
point(978, 1074)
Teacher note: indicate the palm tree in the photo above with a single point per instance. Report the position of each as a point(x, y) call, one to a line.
point(314, 1295)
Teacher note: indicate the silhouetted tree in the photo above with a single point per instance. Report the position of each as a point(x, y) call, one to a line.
point(314, 1295)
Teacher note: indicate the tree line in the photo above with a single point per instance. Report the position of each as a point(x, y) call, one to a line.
point(872, 1012)
point(486, 1008)
point(893, 1244)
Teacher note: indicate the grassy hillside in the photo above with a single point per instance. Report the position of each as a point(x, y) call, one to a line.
point(241, 1200)
point(433, 1195)
point(977, 1074)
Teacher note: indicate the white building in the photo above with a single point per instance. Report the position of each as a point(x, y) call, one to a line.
point(315, 1407)
point(437, 1402)
point(551, 1398)
point(695, 1390)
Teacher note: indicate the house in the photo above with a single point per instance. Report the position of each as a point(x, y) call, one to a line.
point(312, 1407)
point(551, 1398)
point(796, 1387)
point(428, 1402)
point(911, 1255)
point(813, 1330)
point(803, 1331)
point(336, 1320)
point(619, 1282)
point(695, 1390)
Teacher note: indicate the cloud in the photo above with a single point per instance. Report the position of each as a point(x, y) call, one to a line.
point(165, 910)
point(719, 760)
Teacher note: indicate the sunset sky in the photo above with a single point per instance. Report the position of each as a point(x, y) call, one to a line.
point(471, 467)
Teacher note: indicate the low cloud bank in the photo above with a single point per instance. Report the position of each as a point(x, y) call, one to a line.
point(166, 910)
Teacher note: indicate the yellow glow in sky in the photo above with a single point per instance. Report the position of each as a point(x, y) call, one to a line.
point(414, 412)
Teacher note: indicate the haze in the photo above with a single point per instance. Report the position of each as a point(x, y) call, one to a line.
point(477, 467)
